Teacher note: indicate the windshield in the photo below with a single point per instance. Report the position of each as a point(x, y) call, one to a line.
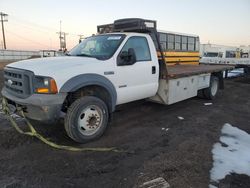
point(100, 47)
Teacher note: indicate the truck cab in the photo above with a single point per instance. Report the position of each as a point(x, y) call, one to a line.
point(123, 63)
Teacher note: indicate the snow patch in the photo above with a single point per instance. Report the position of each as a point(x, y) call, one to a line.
point(231, 154)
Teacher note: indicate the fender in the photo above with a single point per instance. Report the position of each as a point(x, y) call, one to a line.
point(82, 80)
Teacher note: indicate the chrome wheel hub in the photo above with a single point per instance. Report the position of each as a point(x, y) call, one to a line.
point(90, 120)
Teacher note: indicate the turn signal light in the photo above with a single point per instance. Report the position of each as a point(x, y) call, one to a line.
point(53, 86)
point(42, 90)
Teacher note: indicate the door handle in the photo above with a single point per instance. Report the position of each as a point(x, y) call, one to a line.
point(153, 69)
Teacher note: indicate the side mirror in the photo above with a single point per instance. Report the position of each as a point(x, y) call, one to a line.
point(127, 57)
point(132, 56)
point(124, 56)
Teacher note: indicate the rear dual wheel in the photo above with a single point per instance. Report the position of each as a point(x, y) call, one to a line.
point(210, 92)
point(86, 119)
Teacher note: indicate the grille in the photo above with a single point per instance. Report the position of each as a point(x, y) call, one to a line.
point(18, 82)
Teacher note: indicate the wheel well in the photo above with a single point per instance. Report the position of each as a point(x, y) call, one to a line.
point(92, 90)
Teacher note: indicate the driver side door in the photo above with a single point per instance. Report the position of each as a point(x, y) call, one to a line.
point(138, 80)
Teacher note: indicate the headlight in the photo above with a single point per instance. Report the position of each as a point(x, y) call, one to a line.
point(44, 85)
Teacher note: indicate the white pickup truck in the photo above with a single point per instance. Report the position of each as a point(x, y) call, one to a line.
point(102, 72)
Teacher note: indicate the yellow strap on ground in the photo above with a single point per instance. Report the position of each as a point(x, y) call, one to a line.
point(34, 133)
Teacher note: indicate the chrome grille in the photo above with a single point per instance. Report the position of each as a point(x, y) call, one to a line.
point(18, 82)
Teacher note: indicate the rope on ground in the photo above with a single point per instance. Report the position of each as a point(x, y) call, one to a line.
point(34, 133)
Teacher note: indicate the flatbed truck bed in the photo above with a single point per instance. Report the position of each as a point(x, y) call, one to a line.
point(184, 81)
point(236, 62)
point(179, 71)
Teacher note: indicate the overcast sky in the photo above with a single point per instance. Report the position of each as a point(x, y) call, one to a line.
point(32, 24)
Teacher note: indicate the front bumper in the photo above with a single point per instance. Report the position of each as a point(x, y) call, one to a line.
point(40, 107)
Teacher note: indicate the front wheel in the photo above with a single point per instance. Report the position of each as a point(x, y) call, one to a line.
point(86, 119)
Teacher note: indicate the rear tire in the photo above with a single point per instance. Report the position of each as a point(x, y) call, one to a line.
point(86, 119)
point(212, 90)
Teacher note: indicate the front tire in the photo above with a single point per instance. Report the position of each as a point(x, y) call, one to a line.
point(86, 119)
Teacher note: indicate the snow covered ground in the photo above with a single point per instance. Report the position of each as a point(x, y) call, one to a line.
point(231, 154)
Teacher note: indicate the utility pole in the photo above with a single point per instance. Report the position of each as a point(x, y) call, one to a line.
point(62, 38)
point(4, 18)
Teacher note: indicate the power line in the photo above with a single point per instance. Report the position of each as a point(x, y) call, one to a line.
point(33, 24)
point(3, 19)
point(30, 27)
point(24, 38)
point(41, 28)
point(38, 26)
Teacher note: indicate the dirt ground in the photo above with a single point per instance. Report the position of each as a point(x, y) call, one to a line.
point(181, 155)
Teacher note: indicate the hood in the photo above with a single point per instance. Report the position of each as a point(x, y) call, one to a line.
point(46, 66)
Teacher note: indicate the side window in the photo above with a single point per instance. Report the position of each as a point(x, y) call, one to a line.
point(197, 44)
point(184, 43)
point(170, 42)
point(190, 43)
point(177, 42)
point(163, 40)
point(140, 46)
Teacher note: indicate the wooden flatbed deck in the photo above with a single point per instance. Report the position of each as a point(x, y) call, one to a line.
point(178, 71)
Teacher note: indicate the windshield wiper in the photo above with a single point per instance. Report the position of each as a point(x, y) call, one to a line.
point(85, 55)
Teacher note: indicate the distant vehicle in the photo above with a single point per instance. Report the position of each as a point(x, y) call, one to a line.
point(222, 51)
point(220, 54)
point(245, 51)
point(127, 61)
point(51, 53)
